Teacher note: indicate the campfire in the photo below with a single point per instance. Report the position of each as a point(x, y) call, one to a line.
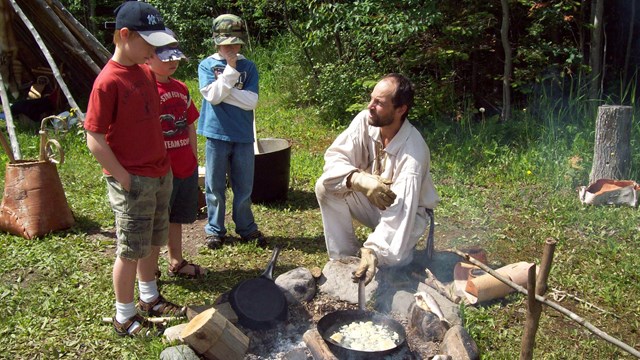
point(422, 328)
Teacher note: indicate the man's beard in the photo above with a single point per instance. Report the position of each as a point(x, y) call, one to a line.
point(378, 121)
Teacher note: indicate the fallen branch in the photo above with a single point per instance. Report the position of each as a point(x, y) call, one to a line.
point(558, 295)
point(155, 320)
point(594, 330)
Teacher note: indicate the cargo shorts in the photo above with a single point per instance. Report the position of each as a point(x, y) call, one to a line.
point(141, 214)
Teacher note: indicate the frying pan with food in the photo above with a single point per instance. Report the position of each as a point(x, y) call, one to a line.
point(332, 322)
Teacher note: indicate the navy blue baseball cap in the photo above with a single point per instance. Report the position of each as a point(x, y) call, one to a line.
point(146, 20)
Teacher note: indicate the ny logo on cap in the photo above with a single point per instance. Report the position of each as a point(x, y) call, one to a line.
point(152, 19)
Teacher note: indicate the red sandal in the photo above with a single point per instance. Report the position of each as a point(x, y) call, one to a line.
point(198, 271)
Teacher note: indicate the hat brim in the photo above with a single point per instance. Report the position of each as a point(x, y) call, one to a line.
point(228, 40)
point(168, 53)
point(157, 38)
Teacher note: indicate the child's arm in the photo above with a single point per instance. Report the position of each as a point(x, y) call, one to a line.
point(98, 146)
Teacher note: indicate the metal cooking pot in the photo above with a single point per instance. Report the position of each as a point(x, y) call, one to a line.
point(259, 303)
point(331, 323)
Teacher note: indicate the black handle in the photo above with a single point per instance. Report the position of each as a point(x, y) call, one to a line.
point(268, 272)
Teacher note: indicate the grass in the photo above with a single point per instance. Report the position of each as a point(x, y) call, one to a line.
point(505, 187)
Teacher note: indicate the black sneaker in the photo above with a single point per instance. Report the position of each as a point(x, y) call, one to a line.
point(258, 236)
point(214, 241)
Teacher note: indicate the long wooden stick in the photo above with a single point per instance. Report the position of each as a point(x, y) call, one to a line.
point(68, 39)
point(47, 55)
point(155, 320)
point(81, 33)
point(594, 330)
point(13, 153)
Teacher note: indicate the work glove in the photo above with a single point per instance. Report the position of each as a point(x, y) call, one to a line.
point(374, 187)
point(367, 267)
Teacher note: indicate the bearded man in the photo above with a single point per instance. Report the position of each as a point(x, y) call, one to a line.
point(378, 172)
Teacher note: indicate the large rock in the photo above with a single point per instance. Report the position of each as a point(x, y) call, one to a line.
point(298, 285)
point(336, 280)
point(180, 352)
point(173, 333)
point(459, 345)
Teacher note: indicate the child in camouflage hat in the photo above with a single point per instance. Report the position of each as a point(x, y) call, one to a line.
point(229, 86)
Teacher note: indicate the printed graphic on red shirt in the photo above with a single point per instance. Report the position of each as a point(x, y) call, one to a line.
point(177, 113)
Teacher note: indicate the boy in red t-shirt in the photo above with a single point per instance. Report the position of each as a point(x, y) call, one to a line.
point(124, 135)
point(177, 116)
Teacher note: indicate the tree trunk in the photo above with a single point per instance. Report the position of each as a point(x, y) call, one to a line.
point(506, 77)
point(612, 148)
point(595, 58)
point(629, 43)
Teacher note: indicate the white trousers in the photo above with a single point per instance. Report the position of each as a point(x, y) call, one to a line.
point(338, 212)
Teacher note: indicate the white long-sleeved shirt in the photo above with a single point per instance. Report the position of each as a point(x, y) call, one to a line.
point(406, 163)
point(224, 89)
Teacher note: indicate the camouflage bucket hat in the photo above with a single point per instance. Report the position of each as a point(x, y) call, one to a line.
point(228, 30)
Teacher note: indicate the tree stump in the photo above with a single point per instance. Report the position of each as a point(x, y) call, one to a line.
point(612, 148)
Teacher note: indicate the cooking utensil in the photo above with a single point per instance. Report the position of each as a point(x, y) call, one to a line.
point(430, 245)
point(361, 294)
point(331, 323)
point(259, 303)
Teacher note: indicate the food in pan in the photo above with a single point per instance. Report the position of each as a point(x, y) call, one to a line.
point(366, 336)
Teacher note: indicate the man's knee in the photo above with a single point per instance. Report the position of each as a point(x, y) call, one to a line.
point(321, 190)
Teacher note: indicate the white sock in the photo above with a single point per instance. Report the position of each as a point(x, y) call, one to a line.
point(148, 290)
point(124, 312)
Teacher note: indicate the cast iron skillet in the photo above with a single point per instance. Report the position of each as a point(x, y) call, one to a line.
point(332, 322)
point(259, 303)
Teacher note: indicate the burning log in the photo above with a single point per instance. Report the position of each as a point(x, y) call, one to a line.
point(318, 347)
point(211, 335)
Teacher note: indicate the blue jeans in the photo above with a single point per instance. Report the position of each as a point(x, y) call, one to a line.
point(236, 159)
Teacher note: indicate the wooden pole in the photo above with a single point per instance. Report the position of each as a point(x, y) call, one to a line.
point(82, 34)
point(534, 309)
point(70, 41)
point(594, 330)
point(11, 128)
point(47, 55)
point(545, 266)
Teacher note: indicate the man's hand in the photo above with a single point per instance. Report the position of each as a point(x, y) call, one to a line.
point(374, 187)
point(367, 267)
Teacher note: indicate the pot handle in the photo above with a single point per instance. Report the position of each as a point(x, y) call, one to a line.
point(268, 272)
point(361, 294)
